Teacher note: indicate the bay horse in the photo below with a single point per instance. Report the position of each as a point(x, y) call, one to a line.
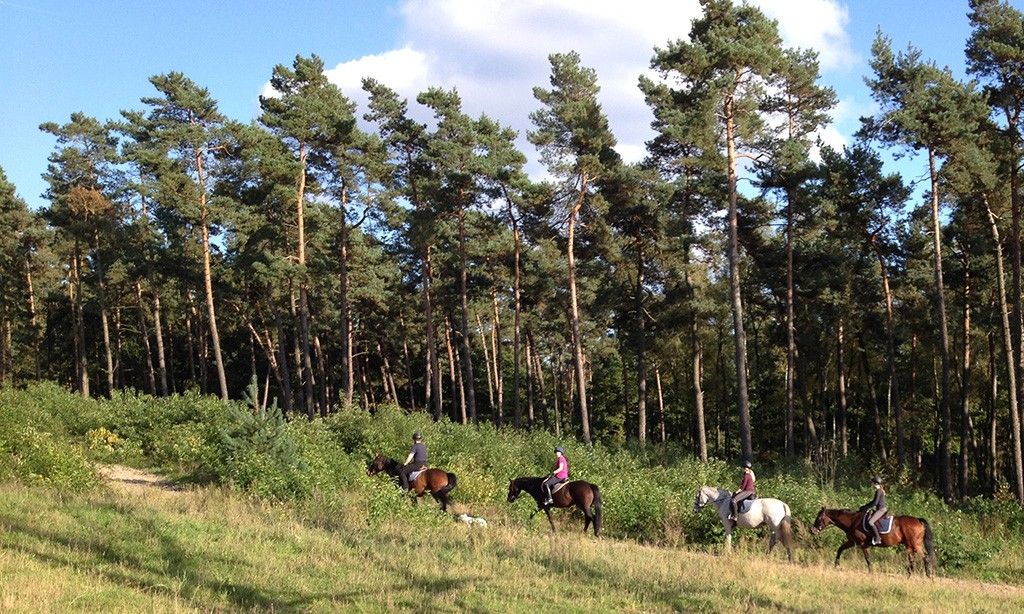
point(914, 533)
point(763, 511)
point(584, 495)
point(438, 482)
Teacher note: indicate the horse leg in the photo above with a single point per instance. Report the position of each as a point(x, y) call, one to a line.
point(587, 518)
point(867, 559)
point(771, 540)
point(843, 548)
point(550, 520)
point(911, 555)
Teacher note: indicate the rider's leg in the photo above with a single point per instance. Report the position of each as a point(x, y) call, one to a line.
point(736, 500)
point(548, 484)
point(878, 515)
point(403, 474)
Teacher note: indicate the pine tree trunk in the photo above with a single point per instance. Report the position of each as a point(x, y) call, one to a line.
point(33, 318)
point(433, 372)
point(641, 351)
point(458, 411)
point(790, 330)
point(144, 333)
point(698, 389)
point(965, 382)
point(161, 359)
point(1018, 465)
point(208, 278)
point(993, 422)
point(408, 362)
point(663, 435)
point(322, 392)
point(574, 316)
point(873, 398)
point(190, 338)
point(944, 412)
point(739, 335)
point(499, 383)
point(81, 360)
point(1017, 316)
point(104, 316)
point(466, 359)
point(530, 418)
point(841, 372)
point(893, 407)
point(517, 412)
point(287, 398)
point(348, 375)
point(487, 363)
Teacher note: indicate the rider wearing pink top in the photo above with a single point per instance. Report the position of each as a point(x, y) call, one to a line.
point(558, 475)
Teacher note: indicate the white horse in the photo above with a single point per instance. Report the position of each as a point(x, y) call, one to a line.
point(771, 512)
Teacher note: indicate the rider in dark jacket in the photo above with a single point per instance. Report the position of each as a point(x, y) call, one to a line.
point(875, 509)
point(416, 460)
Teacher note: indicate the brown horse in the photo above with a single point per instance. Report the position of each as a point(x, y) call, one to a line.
point(584, 495)
point(914, 533)
point(435, 481)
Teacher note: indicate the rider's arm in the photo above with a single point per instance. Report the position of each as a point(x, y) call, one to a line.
point(408, 459)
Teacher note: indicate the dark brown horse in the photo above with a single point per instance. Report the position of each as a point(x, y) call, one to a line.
point(584, 495)
point(914, 533)
point(437, 482)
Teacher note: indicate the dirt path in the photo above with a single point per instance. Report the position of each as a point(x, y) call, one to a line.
point(134, 479)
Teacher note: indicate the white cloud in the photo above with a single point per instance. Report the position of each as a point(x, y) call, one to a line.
point(495, 51)
point(814, 24)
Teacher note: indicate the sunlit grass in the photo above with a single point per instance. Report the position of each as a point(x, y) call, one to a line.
point(146, 549)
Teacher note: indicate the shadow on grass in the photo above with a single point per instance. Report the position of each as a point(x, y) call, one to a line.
point(146, 556)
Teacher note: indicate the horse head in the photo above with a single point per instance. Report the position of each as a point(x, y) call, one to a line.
point(701, 499)
point(513, 490)
point(376, 465)
point(821, 523)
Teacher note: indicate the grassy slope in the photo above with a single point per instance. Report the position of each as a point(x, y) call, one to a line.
point(208, 549)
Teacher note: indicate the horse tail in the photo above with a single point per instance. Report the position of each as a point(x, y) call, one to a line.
point(786, 532)
point(596, 508)
point(929, 545)
point(450, 486)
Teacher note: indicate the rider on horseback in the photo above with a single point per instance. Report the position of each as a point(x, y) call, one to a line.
point(416, 460)
point(746, 491)
point(558, 475)
point(875, 509)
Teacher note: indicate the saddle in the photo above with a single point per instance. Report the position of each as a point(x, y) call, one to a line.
point(884, 524)
point(745, 504)
point(416, 474)
point(558, 487)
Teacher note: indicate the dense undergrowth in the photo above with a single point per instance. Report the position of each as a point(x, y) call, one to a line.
point(51, 437)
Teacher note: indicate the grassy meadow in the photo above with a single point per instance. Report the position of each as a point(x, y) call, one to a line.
point(278, 515)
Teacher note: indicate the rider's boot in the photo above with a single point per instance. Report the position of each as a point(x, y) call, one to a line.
point(876, 539)
point(549, 499)
point(734, 510)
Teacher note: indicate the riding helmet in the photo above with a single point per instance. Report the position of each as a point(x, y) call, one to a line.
point(559, 449)
point(747, 465)
point(416, 436)
point(876, 480)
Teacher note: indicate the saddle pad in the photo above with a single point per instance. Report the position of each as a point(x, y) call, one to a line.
point(416, 474)
point(559, 486)
point(745, 505)
point(884, 524)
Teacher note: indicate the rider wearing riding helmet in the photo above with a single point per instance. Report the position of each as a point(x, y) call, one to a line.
point(416, 460)
point(558, 475)
point(876, 509)
point(747, 489)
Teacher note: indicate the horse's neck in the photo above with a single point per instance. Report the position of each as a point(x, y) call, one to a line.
point(843, 518)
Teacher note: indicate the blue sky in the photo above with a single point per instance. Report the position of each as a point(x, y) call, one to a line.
point(96, 56)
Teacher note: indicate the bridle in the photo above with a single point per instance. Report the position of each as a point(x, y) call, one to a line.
point(707, 500)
